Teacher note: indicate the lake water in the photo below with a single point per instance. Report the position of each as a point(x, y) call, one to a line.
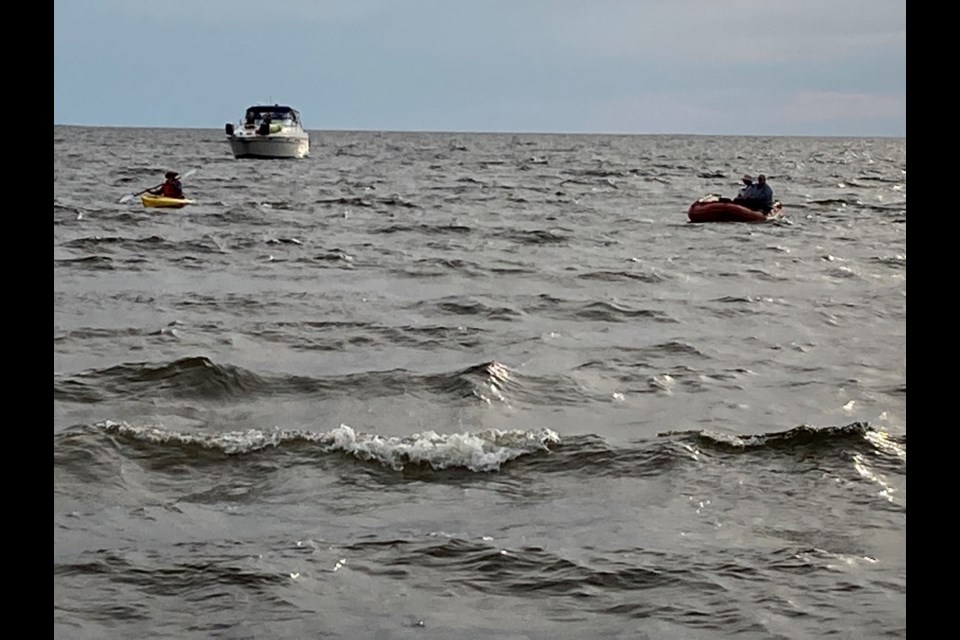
point(447, 385)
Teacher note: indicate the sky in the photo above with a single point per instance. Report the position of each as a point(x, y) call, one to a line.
point(711, 67)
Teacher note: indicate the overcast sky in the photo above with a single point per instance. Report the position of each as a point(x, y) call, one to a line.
point(722, 67)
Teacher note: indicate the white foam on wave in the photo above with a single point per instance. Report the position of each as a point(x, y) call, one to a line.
point(478, 451)
point(232, 442)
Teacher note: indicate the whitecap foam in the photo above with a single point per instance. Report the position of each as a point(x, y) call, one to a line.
point(477, 451)
point(481, 451)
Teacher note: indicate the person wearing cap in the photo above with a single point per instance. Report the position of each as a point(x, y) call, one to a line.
point(757, 196)
point(747, 180)
point(171, 188)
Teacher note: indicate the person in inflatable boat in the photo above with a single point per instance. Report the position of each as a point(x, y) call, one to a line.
point(747, 181)
point(757, 196)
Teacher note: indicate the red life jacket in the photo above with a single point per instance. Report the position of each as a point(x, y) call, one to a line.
point(172, 189)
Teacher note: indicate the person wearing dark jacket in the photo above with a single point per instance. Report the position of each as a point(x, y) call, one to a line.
point(758, 196)
point(171, 188)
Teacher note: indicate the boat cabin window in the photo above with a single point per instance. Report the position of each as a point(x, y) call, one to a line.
point(252, 117)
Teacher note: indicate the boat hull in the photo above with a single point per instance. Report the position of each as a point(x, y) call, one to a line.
point(160, 202)
point(270, 146)
point(712, 209)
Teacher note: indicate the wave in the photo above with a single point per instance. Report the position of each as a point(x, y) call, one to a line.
point(426, 229)
point(535, 236)
point(803, 436)
point(138, 251)
point(88, 262)
point(539, 450)
point(609, 312)
point(432, 267)
point(93, 243)
point(616, 276)
point(671, 449)
point(480, 451)
point(199, 378)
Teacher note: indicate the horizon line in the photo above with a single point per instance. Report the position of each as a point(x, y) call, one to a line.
point(477, 132)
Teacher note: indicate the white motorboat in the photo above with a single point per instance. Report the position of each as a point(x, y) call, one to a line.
point(269, 131)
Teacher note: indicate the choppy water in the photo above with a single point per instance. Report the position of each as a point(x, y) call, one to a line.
point(426, 385)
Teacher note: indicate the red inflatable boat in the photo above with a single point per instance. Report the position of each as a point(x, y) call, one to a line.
point(713, 208)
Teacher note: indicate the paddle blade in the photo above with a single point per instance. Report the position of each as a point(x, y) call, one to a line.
point(127, 198)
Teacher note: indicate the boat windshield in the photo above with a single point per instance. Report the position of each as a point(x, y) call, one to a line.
point(286, 118)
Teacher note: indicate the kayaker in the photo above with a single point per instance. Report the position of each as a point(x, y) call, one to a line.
point(171, 188)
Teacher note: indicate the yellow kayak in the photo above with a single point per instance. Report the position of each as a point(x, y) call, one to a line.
point(150, 200)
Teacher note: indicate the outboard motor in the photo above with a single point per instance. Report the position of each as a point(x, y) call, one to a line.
point(229, 129)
